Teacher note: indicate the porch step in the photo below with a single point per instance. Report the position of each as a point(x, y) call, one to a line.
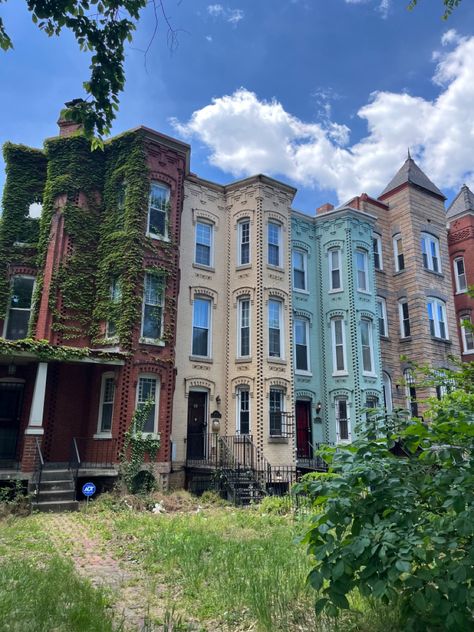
point(56, 492)
point(56, 475)
point(56, 506)
point(62, 484)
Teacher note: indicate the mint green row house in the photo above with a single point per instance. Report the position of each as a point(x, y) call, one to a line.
point(337, 360)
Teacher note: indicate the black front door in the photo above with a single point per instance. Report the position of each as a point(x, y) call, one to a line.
point(197, 425)
point(303, 429)
point(11, 395)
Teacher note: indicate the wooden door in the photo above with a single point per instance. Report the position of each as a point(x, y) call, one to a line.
point(303, 430)
point(197, 425)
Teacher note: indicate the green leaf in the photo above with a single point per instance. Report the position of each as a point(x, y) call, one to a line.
point(315, 579)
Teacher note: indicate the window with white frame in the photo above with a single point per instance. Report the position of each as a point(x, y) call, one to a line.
point(19, 310)
point(343, 430)
point(437, 318)
point(430, 252)
point(301, 344)
point(467, 334)
point(460, 275)
point(381, 305)
point(115, 294)
point(274, 245)
point(106, 404)
point(367, 344)
point(398, 253)
point(204, 238)
point(338, 336)
point(377, 249)
point(201, 327)
point(362, 268)
point(243, 255)
point(153, 298)
point(387, 392)
point(148, 390)
point(244, 327)
point(335, 278)
point(299, 260)
point(275, 342)
point(243, 411)
point(276, 409)
point(404, 314)
point(158, 210)
point(410, 392)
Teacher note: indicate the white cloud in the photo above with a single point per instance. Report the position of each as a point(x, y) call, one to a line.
point(381, 5)
point(233, 16)
point(247, 135)
point(209, 38)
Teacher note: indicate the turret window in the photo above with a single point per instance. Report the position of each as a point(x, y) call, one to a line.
point(430, 252)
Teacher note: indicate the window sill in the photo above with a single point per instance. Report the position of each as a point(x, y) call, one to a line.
point(152, 342)
point(275, 268)
point(366, 374)
point(194, 358)
point(277, 439)
point(366, 292)
point(380, 270)
point(243, 360)
point(340, 374)
point(405, 339)
point(460, 292)
point(446, 341)
point(243, 266)
point(299, 291)
point(438, 274)
point(158, 237)
point(470, 352)
point(338, 291)
point(154, 436)
point(303, 373)
point(397, 272)
point(202, 266)
point(276, 360)
point(102, 435)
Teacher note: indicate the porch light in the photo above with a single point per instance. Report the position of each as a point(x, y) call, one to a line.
point(218, 400)
point(319, 407)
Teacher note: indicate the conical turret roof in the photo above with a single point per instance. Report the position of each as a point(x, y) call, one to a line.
point(411, 173)
point(462, 203)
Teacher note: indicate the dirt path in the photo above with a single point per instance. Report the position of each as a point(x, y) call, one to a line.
point(133, 606)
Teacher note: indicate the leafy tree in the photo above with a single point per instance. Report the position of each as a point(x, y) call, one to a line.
point(449, 6)
point(101, 27)
point(397, 515)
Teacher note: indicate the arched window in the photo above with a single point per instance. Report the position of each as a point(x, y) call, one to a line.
point(437, 318)
point(430, 252)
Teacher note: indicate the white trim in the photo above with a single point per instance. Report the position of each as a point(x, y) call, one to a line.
point(240, 223)
point(377, 239)
point(153, 341)
point(435, 304)
point(463, 334)
point(240, 301)
point(401, 319)
point(369, 322)
point(387, 391)
point(281, 355)
point(165, 236)
point(333, 269)
point(150, 376)
point(200, 297)
point(396, 252)
point(427, 240)
point(239, 392)
point(380, 300)
point(9, 306)
point(304, 256)
point(348, 418)
point(365, 270)
point(39, 392)
point(335, 370)
point(308, 355)
point(457, 275)
point(278, 245)
point(104, 433)
point(211, 226)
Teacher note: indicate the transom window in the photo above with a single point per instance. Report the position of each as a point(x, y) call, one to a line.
point(343, 430)
point(367, 345)
point(377, 249)
point(274, 238)
point(244, 327)
point(201, 327)
point(148, 391)
point(430, 252)
point(335, 278)
point(19, 311)
point(405, 329)
point(153, 298)
point(467, 334)
point(106, 406)
point(382, 316)
point(243, 411)
point(362, 266)
point(275, 346)
point(460, 275)
point(301, 344)
point(276, 407)
point(437, 318)
point(158, 210)
point(203, 254)
point(244, 242)
point(398, 253)
point(299, 260)
point(338, 345)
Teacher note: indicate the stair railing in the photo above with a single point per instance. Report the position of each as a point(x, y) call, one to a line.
point(39, 465)
point(75, 461)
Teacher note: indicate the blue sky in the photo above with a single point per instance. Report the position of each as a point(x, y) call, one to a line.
point(325, 95)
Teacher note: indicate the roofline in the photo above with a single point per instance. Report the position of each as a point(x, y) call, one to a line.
point(464, 213)
point(416, 186)
point(168, 141)
point(257, 178)
point(342, 210)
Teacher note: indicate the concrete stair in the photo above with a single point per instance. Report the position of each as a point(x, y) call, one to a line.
point(56, 492)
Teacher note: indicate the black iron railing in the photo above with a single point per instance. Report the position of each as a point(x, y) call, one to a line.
point(39, 466)
point(282, 424)
point(93, 453)
point(314, 461)
point(202, 449)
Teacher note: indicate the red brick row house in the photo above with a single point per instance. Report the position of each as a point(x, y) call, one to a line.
point(88, 297)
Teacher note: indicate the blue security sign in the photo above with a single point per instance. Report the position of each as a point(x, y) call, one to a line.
point(88, 489)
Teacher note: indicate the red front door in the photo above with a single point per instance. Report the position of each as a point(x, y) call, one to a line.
point(303, 430)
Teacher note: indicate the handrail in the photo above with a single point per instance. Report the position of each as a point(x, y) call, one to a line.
point(39, 468)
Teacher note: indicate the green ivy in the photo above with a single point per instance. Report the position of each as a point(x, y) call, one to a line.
point(43, 350)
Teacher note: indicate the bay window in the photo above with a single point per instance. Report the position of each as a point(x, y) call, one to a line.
point(404, 314)
point(430, 252)
point(437, 318)
point(398, 253)
point(106, 404)
point(367, 344)
point(362, 268)
point(19, 309)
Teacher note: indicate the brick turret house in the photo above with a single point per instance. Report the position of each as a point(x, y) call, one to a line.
point(88, 297)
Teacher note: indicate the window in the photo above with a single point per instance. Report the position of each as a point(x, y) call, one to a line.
point(275, 346)
point(203, 254)
point(148, 390)
point(362, 267)
point(371, 402)
point(19, 311)
point(467, 334)
point(243, 411)
point(274, 231)
point(377, 249)
point(158, 210)
point(437, 318)
point(338, 345)
point(410, 392)
point(244, 328)
point(387, 392)
point(382, 315)
point(299, 270)
point(430, 252)
point(301, 345)
point(398, 253)
point(121, 194)
point(106, 405)
point(276, 412)
point(335, 279)
point(405, 331)
point(367, 346)
point(201, 327)
point(460, 275)
point(343, 431)
point(115, 298)
point(152, 317)
point(243, 256)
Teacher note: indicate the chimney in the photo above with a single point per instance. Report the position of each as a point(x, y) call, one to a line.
point(325, 208)
point(68, 127)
